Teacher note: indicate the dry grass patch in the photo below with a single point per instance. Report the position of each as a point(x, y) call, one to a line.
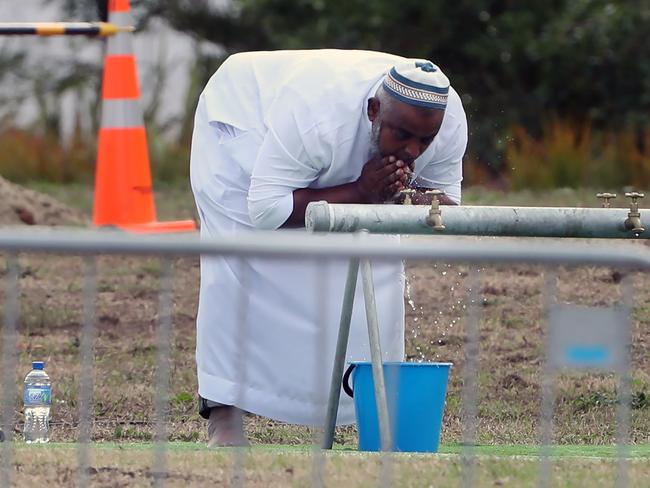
point(114, 466)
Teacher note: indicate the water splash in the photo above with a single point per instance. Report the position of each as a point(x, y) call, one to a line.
point(407, 288)
point(430, 331)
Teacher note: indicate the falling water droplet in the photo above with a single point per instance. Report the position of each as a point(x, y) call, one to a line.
point(407, 289)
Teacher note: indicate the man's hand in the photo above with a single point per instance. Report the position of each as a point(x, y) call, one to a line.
point(382, 178)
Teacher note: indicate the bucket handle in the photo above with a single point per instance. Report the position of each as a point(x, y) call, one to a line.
point(346, 381)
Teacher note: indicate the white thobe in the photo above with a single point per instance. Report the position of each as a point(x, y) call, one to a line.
point(267, 124)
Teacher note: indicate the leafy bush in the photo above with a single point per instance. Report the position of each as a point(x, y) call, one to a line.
point(576, 155)
point(28, 155)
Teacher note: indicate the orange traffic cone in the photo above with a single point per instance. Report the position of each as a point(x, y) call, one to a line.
point(123, 190)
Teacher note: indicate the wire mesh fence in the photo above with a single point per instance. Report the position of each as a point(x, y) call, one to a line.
point(578, 339)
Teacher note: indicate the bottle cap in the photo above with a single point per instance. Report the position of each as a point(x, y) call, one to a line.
point(38, 365)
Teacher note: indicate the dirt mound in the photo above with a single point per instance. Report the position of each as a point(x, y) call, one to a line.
point(21, 206)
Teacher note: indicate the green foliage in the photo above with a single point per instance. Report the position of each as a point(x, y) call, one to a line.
point(183, 397)
point(592, 400)
point(132, 433)
point(37, 150)
point(599, 399)
point(192, 436)
point(514, 63)
point(558, 90)
point(88, 10)
point(640, 400)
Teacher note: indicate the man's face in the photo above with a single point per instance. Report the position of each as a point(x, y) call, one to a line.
point(402, 130)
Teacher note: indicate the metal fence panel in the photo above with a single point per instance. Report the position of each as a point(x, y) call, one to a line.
point(578, 337)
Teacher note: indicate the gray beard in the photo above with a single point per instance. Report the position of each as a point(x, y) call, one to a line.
point(373, 150)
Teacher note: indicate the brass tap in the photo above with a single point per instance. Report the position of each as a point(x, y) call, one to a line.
point(606, 197)
point(408, 195)
point(434, 219)
point(633, 221)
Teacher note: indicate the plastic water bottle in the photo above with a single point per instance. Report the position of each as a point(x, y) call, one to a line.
point(37, 398)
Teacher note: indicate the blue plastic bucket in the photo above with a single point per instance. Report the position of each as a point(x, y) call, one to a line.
point(416, 402)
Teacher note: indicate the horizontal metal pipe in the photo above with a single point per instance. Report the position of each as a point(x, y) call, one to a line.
point(293, 243)
point(473, 220)
point(100, 29)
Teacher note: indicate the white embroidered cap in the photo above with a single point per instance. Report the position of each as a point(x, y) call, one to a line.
point(418, 82)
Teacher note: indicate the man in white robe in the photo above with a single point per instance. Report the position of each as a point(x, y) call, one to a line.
point(274, 131)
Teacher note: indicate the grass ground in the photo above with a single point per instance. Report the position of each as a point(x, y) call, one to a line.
point(511, 333)
point(637, 451)
point(187, 464)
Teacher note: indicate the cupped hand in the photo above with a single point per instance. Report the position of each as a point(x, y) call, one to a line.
point(381, 178)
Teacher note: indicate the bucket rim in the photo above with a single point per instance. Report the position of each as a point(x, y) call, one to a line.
point(404, 363)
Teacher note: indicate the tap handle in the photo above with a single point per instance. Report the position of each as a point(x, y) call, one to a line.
point(634, 196)
point(435, 194)
point(408, 194)
point(606, 197)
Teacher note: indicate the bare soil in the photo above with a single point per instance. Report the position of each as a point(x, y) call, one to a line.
point(22, 206)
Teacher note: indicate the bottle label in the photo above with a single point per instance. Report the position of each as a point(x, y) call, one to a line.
point(38, 395)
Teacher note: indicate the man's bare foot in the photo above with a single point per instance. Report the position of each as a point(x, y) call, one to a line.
point(226, 427)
